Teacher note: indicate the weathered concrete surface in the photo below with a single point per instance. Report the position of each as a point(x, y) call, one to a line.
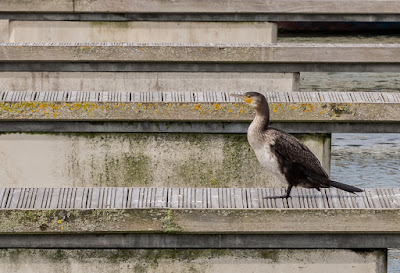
point(4, 31)
point(206, 6)
point(148, 82)
point(320, 144)
point(200, 221)
point(235, 6)
point(204, 53)
point(143, 32)
point(117, 160)
point(37, 6)
point(180, 260)
point(201, 111)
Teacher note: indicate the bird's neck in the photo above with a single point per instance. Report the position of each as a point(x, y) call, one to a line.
point(261, 120)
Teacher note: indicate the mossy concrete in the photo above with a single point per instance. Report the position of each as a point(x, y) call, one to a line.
point(198, 111)
point(190, 260)
point(130, 160)
point(200, 221)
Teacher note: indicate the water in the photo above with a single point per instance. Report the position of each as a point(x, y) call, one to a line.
point(366, 160)
point(363, 160)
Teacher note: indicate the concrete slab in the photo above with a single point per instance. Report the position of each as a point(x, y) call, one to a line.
point(149, 81)
point(180, 260)
point(143, 32)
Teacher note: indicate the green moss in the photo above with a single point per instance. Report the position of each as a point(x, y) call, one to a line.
point(339, 109)
point(168, 224)
point(237, 158)
point(105, 24)
point(270, 254)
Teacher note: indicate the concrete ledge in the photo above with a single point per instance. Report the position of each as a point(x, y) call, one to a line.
point(197, 17)
point(142, 32)
point(202, 53)
point(208, 6)
point(202, 241)
point(132, 106)
point(190, 127)
point(200, 260)
point(201, 221)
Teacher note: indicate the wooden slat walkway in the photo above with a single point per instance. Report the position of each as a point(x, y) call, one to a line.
point(196, 97)
point(194, 198)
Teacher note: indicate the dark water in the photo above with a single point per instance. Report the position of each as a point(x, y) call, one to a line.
point(364, 160)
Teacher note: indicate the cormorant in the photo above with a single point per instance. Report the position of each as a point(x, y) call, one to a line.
point(283, 154)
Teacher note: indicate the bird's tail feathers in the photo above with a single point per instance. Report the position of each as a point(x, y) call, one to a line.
point(325, 182)
point(345, 187)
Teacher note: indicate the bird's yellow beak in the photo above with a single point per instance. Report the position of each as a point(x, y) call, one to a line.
point(242, 97)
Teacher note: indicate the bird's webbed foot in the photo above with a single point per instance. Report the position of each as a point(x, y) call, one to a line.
point(286, 195)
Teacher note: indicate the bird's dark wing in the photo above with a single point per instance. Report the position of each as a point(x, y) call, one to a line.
point(292, 150)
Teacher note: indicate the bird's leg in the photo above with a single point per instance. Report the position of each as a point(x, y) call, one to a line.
point(286, 195)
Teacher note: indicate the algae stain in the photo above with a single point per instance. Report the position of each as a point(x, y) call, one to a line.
point(168, 223)
point(114, 24)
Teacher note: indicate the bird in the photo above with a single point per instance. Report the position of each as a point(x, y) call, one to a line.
point(284, 155)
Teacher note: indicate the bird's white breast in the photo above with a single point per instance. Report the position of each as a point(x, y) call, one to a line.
point(262, 149)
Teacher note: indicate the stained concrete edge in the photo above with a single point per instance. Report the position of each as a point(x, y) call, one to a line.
point(200, 221)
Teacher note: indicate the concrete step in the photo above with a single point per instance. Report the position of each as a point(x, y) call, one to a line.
point(199, 57)
point(200, 143)
point(197, 210)
point(90, 226)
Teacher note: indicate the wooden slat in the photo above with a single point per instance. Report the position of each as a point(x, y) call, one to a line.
point(200, 201)
point(31, 198)
point(117, 201)
point(239, 198)
point(374, 198)
point(134, 197)
point(214, 198)
point(39, 198)
point(14, 198)
point(174, 198)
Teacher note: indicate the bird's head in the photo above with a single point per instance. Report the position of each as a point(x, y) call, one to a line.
point(254, 99)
